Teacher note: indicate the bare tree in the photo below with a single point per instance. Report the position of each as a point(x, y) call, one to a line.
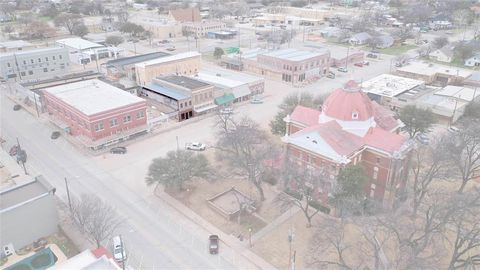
point(69, 21)
point(463, 150)
point(246, 147)
point(95, 218)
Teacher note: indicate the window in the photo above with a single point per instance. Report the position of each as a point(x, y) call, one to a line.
point(31, 61)
point(127, 118)
point(22, 73)
point(375, 173)
point(46, 58)
point(355, 115)
point(45, 70)
point(140, 114)
point(39, 60)
point(190, 103)
point(8, 64)
point(98, 127)
point(24, 62)
point(181, 105)
point(53, 57)
point(59, 57)
point(113, 122)
point(378, 160)
point(30, 72)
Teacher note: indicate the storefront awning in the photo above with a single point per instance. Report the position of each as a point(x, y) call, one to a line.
point(227, 98)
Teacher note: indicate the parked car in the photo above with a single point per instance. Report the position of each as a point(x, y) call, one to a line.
point(196, 146)
point(17, 107)
point(213, 245)
point(13, 151)
point(227, 110)
point(171, 49)
point(118, 150)
point(331, 75)
point(342, 69)
point(256, 100)
point(373, 56)
point(453, 129)
point(366, 63)
point(358, 64)
point(119, 251)
point(55, 135)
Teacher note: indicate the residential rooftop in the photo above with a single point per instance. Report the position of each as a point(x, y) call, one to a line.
point(184, 81)
point(388, 85)
point(430, 69)
point(93, 96)
point(170, 58)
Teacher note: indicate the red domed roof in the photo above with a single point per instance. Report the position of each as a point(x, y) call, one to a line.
point(349, 104)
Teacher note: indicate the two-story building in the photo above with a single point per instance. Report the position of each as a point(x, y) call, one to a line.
point(350, 129)
point(96, 111)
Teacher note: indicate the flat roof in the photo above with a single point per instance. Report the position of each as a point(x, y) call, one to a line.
point(184, 81)
point(459, 92)
point(218, 80)
point(93, 96)
point(136, 59)
point(21, 193)
point(293, 54)
point(230, 74)
point(430, 69)
point(79, 43)
point(389, 85)
point(15, 44)
point(170, 58)
point(169, 92)
point(34, 51)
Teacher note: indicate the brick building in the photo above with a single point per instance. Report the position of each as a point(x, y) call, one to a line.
point(350, 129)
point(96, 111)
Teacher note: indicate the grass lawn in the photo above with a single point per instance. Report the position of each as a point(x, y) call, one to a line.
point(456, 62)
point(397, 49)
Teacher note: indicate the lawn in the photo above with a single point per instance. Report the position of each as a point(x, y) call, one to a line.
point(398, 49)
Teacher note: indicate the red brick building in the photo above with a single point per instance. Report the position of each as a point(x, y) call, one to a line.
point(350, 129)
point(96, 111)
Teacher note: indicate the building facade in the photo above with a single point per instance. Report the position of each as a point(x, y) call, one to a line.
point(97, 111)
point(33, 200)
point(201, 29)
point(34, 64)
point(349, 130)
point(82, 51)
point(180, 64)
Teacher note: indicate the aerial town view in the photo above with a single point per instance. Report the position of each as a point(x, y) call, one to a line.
point(240, 134)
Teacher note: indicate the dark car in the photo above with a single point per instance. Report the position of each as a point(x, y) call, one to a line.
point(21, 156)
point(371, 55)
point(358, 64)
point(118, 150)
point(55, 135)
point(17, 107)
point(213, 244)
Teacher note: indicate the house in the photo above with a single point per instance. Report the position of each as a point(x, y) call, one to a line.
point(359, 39)
point(27, 213)
point(97, 113)
point(34, 64)
point(473, 61)
point(186, 97)
point(187, 63)
point(444, 54)
point(350, 129)
point(385, 41)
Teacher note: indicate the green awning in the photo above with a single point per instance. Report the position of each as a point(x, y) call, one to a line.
point(224, 99)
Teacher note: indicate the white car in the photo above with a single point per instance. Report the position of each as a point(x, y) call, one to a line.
point(196, 146)
point(119, 252)
point(453, 129)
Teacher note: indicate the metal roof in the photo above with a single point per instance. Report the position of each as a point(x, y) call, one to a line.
point(184, 81)
point(169, 58)
point(136, 59)
point(169, 92)
point(78, 43)
point(293, 54)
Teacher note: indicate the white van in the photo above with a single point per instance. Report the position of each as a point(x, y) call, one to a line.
point(119, 252)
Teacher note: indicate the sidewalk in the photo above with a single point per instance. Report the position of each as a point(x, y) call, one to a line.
point(277, 222)
point(250, 259)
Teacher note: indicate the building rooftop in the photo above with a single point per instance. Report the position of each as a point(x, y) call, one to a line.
point(389, 85)
point(429, 69)
point(22, 193)
point(79, 43)
point(293, 54)
point(118, 63)
point(186, 14)
point(87, 260)
point(232, 75)
point(184, 81)
point(169, 92)
point(93, 96)
point(458, 92)
point(32, 52)
point(15, 44)
point(170, 58)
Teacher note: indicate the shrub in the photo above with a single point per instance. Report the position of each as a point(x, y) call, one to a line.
point(320, 207)
point(294, 194)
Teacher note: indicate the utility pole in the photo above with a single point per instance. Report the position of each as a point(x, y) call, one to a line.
point(178, 146)
point(68, 195)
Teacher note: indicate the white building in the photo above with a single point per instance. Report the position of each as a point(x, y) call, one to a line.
point(15, 45)
point(34, 64)
point(444, 54)
point(473, 61)
point(83, 51)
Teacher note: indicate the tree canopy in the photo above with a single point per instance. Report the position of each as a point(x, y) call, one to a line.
point(416, 120)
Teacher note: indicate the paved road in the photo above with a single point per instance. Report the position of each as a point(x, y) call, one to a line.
point(156, 236)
